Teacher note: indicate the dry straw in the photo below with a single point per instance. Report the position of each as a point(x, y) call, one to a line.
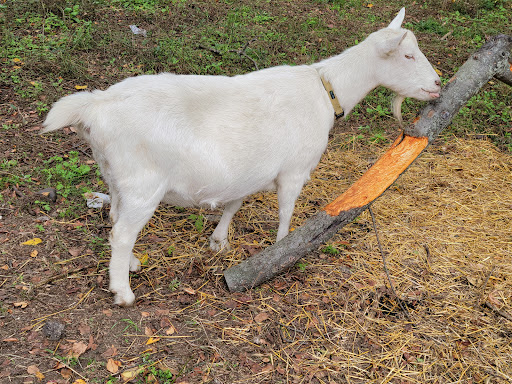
point(445, 226)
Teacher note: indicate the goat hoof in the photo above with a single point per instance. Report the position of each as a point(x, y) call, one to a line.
point(123, 299)
point(219, 245)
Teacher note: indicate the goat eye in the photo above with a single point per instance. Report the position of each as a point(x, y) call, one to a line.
point(409, 57)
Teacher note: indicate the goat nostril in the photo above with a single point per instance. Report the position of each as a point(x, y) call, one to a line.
point(438, 83)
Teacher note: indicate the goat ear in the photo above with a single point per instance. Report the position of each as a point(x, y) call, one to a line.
point(388, 47)
point(398, 20)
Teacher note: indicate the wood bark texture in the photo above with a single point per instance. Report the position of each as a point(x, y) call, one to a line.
point(491, 60)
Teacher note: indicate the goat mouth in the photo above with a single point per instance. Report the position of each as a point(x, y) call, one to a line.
point(433, 95)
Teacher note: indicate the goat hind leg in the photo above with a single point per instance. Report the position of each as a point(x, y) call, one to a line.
point(122, 239)
point(219, 237)
point(114, 215)
point(287, 192)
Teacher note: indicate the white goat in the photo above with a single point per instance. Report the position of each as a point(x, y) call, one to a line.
point(213, 140)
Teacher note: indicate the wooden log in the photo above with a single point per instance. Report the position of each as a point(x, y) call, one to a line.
point(492, 59)
point(504, 74)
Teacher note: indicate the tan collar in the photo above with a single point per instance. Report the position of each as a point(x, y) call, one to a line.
point(338, 110)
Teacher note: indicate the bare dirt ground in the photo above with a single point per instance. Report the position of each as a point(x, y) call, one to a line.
point(444, 226)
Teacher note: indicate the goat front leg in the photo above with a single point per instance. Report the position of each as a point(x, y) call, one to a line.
point(219, 237)
point(288, 190)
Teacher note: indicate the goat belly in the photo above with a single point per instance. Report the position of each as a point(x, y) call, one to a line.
point(215, 195)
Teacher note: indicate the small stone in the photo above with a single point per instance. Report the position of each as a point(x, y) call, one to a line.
point(53, 330)
point(49, 193)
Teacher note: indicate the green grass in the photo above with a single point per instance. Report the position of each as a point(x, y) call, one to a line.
point(66, 173)
point(48, 48)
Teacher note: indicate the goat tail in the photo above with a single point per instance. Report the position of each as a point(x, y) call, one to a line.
point(70, 110)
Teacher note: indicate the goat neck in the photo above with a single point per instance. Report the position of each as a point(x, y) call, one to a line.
point(350, 74)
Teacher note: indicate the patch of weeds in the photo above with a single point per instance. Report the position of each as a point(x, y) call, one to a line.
point(161, 375)
point(342, 5)
point(143, 5)
point(489, 112)
point(156, 372)
point(174, 284)
point(10, 175)
point(7, 127)
point(302, 266)
point(169, 51)
point(378, 137)
point(429, 25)
point(66, 174)
point(263, 18)
point(330, 250)
point(198, 221)
point(129, 324)
point(312, 23)
point(92, 365)
point(99, 245)
point(379, 111)
point(70, 361)
point(44, 205)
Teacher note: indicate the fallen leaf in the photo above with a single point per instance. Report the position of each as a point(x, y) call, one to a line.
point(78, 349)
point(107, 312)
point(170, 331)
point(162, 312)
point(58, 365)
point(5, 267)
point(92, 345)
point(145, 314)
point(79, 87)
point(148, 331)
point(231, 304)
point(33, 241)
point(131, 373)
point(165, 322)
point(261, 317)
point(34, 370)
point(75, 252)
point(113, 365)
point(66, 373)
point(79, 381)
point(10, 340)
point(84, 329)
point(110, 352)
point(34, 253)
point(152, 340)
point(21, 304)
